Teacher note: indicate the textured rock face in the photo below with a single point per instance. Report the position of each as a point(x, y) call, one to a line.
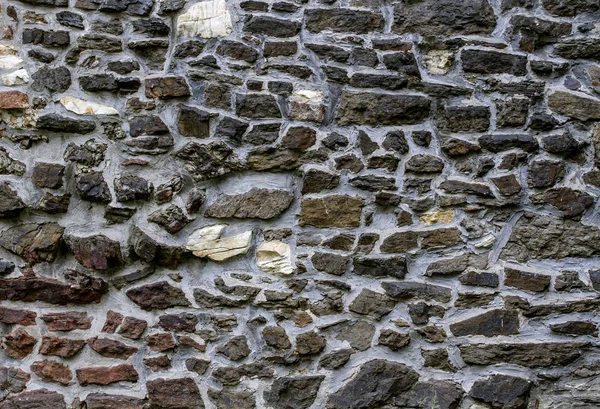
point(299, 204)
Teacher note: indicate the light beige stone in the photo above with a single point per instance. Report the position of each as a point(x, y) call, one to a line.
point(82, 107)
point(16, 78)
point(207, 243)
point(438, 62)
point(206, 19)
point(274, 257)
point(10, 61)
point(440, 216)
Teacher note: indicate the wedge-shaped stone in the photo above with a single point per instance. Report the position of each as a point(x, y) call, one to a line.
point(83, 107)
point(530, 355)
point(206, 243)
point(274, 257)
point(489, 324)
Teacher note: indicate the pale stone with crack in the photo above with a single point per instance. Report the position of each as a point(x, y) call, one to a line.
point(82, 107)
point(16, 78)
point(274, 257)
point(206, 243)
point(438, 62)
point(442, 216)
point(206, 19)
point(307, 105)
point(10, 61)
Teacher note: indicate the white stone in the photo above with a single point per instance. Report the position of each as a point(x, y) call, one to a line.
point(206, 19)
point(206, 243)
point(274, 257)
point(10, 61)
point(16, 78)
point(81, 107)
point(486, 242)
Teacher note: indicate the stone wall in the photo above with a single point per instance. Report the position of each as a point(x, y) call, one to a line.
point(299, 204)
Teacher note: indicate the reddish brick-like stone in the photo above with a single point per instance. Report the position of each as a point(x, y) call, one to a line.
point(62, 347)
point(160, 342)
point(111, 348)
point(18, 344)
point(13, 100)
point(105, 375)
point(132, 328)
point(21, 317)
point(67, 321)
point(52, 371)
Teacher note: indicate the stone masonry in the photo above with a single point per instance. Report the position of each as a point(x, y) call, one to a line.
point(294, 204)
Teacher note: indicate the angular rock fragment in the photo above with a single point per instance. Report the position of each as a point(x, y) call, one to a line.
point(52, 371)
point(38, 398)
point(158, 296)
point(174, 394)
point(274, 257)
point(111, 348)
point(489, 324)
point(502, 391)
point(11, 205)
point(18, 344)
point(106, 375)
point(61, 347)
point(171, 218)
point(255, 203)
point(206, 242)
point(372, 304)
point(96, 252)
point(67, 321)
point(293, 392)
point(530, 355)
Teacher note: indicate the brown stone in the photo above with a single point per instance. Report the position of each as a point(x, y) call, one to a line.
point(331, 211)
point(20, 317)
point(13, 100)
point(12, 380)
point(158, 296)
point(167, 87)
point(52, 371)
point(30, 289)
point(132, 328)
point(48, 175)
point(105, 375)
point(111, 348)
point(526, 280)
point(310, 343)
point(182, 393)
point(96, 252)
point(160, 342)
point(36, 399)
point(18, 344)
point(253, 204)
point(62, 347)
point(489, 324)
point(67, 321)
point(33, 242)
point(276, 337)
point(372, 304)
point(106, 401)
point(113, 320)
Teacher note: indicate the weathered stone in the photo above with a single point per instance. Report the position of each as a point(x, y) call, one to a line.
point(207, 242)
point(329, 263)
point(67, 321)
point(438, 359)
point(276, 337)
point(373, 304)
point(331, 211)
point(13, 100)
point(236, 348)
point(393, 340)
point(33, 242)
point(367, 108)
point(500, 143)
point(52, 79)
point(208, 161)
point(545, 173)
point(58, 123)
point(171, 218)
point(182, 393)
point(412, 290)
point(491, 323)
point(483, 279)
point(105, 375)
point(572, 203)
point(52, 371)
point(375, 383)
point(335, 359)
point(271, 26)
point(309, 343)
point(18, 344)
point(12, 380)
point(507, 185)
point(132, 187)
point(39, 398)
point(166, 87)
point(91, 186)
point(502, 391)
point(96, 252)
point(375, 266)
point(461, 186)
point(111, 348)
point(576, 328)
point(446, 17)
point(293, 392)
point(157, 296)
point(106, 401)
point(20, 317)
point(434, 393)
point(530, 355)
point(256, 203)
point(11, 205)
point(493, 62)
point(274, 257)
point(574, 105)
point(421, 163)
point(61, 347)
point(160, 342)
point(465, 118)
point(205, 19)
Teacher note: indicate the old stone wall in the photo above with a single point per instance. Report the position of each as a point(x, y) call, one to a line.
point(298, 204)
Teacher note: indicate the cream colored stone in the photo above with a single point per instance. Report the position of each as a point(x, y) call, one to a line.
point(19, 119)
point(10, 61)
point(438, 62)
point(206, 243)
point(486, 242)
point(16, 78)
point(82, 107)
point(441, 216)
point(7, 50)
point(274, 257)
point(206, 19)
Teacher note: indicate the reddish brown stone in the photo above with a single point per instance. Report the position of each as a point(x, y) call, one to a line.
point(111, 348)
point(13, 100)
point(67, 321)
point(160, 342)
point(18, 344)
point(105, 401)
point(113, 320)
point(158, 296)
point(96, 252)
point(32, 288)
point(105, 375)
point(52, 371)
point(21, 317)
point(62, 347)
point(188, 341)
point(180, 393)
point(37, 399)
point(157, 363)
point(132, 328)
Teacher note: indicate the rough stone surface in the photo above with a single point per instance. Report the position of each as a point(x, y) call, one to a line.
point(299, 204)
